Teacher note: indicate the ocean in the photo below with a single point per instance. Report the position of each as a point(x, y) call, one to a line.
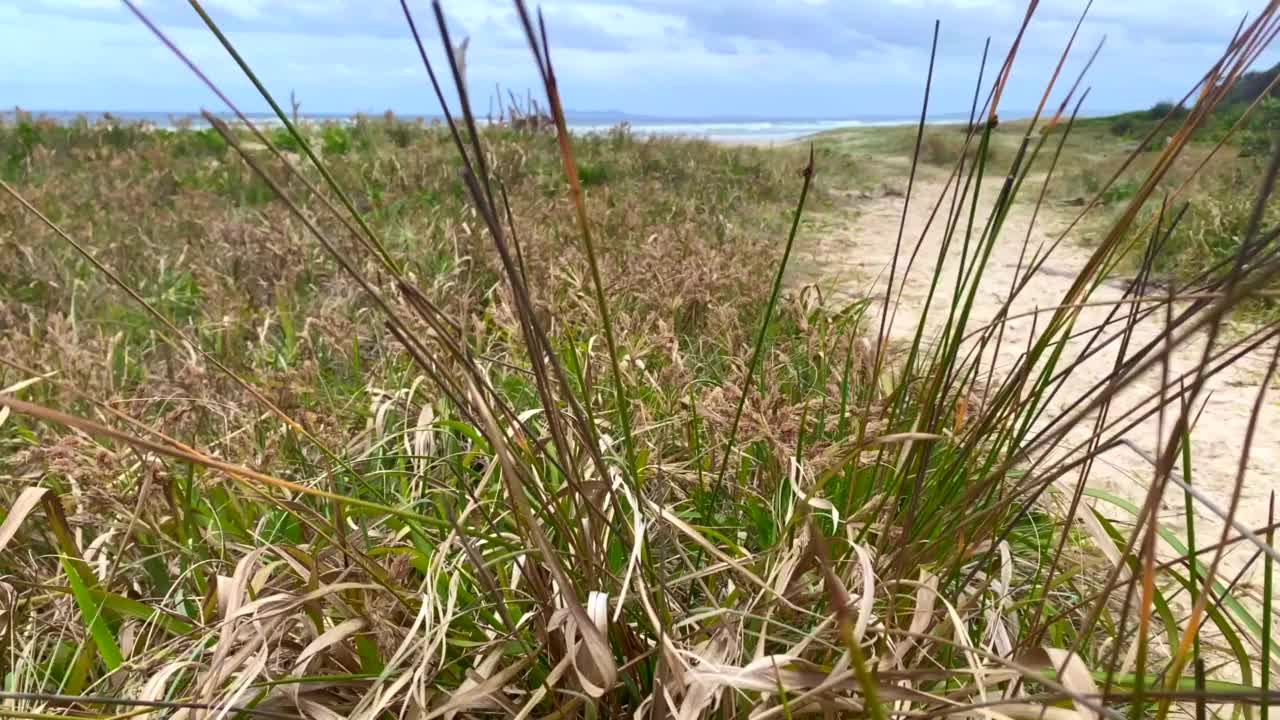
point(728, 130)
point(755, 130)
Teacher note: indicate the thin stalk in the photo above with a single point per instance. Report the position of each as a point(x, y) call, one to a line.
point(886, 325)
point(374, 243)
point(1189, 508)
point(764, 325)
point(584, 228)
point(1268, 570)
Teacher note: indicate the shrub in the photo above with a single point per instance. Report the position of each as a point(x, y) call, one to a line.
point(1166, 108)
point(1214, 226)
point(942, 146)
point(283, 139)
point(1263, 129)
point(400, 131)
point(207, 142)
point(592, 174)
point(336, 139)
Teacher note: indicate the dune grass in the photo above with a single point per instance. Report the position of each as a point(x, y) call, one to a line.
point(390, 420)
point(1211, 186)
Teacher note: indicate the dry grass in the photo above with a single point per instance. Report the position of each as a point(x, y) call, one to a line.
point(180, 218)
point(488, 447)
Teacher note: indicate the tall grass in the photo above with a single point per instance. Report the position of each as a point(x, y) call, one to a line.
point(596, 481)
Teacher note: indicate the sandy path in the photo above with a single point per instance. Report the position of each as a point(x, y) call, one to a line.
point(848, 253)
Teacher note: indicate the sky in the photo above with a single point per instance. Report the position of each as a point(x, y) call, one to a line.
point(671, 58)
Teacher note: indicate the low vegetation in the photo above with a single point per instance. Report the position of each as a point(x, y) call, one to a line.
point(388, 419)
point(1212, 186)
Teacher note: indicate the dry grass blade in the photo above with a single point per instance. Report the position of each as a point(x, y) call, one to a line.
point(237, 472)
point(1071, 672)
point(482, 694)
point(542, 52)
point(18, 512)
point(597, 669)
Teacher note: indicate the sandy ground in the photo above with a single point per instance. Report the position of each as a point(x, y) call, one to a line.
point(848, 252)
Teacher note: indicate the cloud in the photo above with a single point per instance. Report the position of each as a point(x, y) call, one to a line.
point(828, 58)
point(312, 18)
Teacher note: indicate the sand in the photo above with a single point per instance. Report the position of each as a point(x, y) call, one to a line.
point(848, 252)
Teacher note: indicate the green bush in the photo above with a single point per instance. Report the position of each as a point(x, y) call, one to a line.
point(1120, 191)
point(400, 132)
point(1123, 125)
point(207, 142)
point(336, 140)
point(1262, 129)
point(593, 174)
point(1161, 109)
point(283, 139)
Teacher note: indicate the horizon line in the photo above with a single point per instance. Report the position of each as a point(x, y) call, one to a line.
point(605, 115)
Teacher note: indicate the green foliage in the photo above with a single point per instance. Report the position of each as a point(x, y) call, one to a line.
point(590, 174)
point(284, 140)
point(402, 134)
point(207, 142)
point(1251, 85)
point(1263, 129)
point(1120, 191)
point(335, 139)
point(1164, 109)
point(1214, 225)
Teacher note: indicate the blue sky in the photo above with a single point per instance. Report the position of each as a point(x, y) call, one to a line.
point(769, 58)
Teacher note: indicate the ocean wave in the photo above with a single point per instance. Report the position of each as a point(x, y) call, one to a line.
point(781, 130)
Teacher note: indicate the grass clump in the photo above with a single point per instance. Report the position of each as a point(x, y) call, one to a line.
point(1217, 222)
point(942, 145)
point(1211, 187)
point(431, 429)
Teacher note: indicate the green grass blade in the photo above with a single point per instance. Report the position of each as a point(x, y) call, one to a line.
point(91, 611)
point(1232, 603)
point(774, 293)
point(1268, 588)
point(333, 184)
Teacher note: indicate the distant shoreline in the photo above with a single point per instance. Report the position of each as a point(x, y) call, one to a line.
point(728, 130)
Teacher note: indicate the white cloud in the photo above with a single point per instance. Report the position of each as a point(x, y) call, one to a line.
point(672, 57)
point(80, 4)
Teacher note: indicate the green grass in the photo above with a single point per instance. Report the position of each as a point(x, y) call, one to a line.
point(882, 152)
point(531, 433)
point(1215, 180)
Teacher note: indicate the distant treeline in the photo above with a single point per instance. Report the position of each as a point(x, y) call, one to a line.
point(1253, 84)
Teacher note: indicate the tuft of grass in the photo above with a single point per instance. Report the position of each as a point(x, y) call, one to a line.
point(942, 146)
point(435, 421)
